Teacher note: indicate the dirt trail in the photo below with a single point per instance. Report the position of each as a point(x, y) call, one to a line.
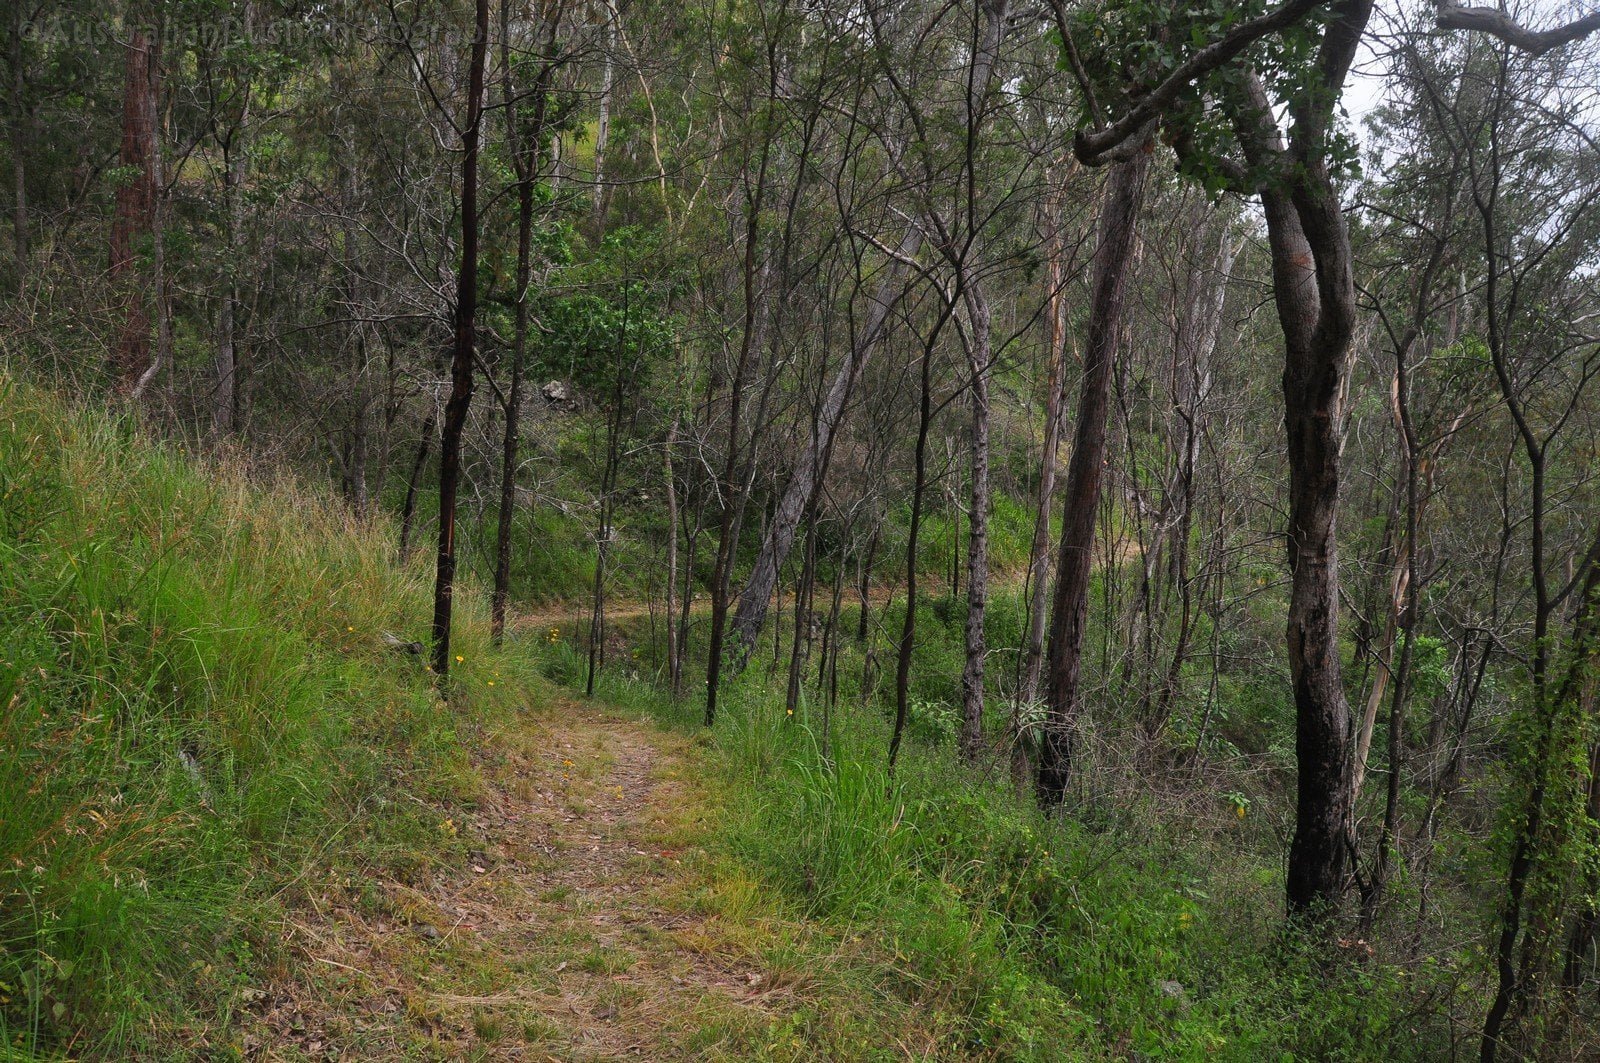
point(584, 925)
point(573, 615)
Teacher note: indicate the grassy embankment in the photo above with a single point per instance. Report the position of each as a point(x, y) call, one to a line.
point(201, 717)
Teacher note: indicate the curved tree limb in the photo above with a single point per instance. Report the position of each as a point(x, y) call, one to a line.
point(1497, 23)
point(1092, 147)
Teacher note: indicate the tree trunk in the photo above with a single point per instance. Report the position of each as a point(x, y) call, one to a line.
point(21, 138)
point(755, 272)
point(461, 367)
point(1070, 609)
point(919, 489)
point(510, 440)
point(908, 624)
point(602, 129)
point(812, 464)
point(1316, 349)
point(972, 677)
point(224, 400)
point(1039, 551)
point(524, 148)
point(162, 361)
point(134, 216)
point(1313, 289)
point(1193, 387)
point(1404, 616)
point(355, 456)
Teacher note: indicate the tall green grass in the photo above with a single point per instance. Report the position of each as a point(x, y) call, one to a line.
point(200, 714)
point(1129, 930)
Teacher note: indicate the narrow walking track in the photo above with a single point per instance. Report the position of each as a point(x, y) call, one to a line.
point(586, 924)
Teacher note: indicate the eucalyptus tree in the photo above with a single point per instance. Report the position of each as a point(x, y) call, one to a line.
point(1214, 82)
point(136, 219)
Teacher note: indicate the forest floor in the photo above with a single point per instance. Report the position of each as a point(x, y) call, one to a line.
point(588, 923)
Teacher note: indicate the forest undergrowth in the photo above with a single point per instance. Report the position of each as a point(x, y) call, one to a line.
point(1140, 923)
point(211, 741)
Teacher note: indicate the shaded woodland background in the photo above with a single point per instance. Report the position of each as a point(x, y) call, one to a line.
point(1071, 393)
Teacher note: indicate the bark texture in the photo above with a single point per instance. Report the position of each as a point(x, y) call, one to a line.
point(812, 465)
point(1081, 496)
point(461, 367)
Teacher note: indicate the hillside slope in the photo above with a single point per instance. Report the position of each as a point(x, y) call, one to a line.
point(236, 824)
point(202, 717)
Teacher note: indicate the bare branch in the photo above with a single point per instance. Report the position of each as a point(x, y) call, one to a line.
point(1496, 23)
